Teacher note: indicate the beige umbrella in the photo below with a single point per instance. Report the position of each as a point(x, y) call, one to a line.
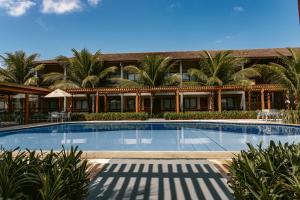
point(57, 94)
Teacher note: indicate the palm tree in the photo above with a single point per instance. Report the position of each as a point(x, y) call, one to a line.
point(84, 70)
point(20, 68)
point(153, 71)
point(222, 69)
point(286, 73)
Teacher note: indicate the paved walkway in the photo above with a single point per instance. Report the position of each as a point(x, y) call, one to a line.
point(159, 179)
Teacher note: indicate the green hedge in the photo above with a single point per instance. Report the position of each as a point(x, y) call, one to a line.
point(211, 115)
point(108, 116)
point(270, 173)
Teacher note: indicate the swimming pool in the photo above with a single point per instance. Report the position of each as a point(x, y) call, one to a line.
point(148, 136)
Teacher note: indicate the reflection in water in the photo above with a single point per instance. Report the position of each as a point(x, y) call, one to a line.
point(149, 136)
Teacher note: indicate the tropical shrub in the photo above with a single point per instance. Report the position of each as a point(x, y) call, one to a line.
point(108, 116)
point(291, 116)
point(33, 175)
point(270, 173)
point(211, 115)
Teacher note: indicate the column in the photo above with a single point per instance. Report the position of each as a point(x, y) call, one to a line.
point(72, 104)
point(181, 102)
point(93, 103)
point(9, 103)
point(244, 100)
point(105, 103)
point(262, 99)
point(181, 77)
point(26, 109)
point(269, 100)
point(97, 103)
point(177, 102)
point(122, 95)
point(219, 100)
point(249, 100)
point(137, 103)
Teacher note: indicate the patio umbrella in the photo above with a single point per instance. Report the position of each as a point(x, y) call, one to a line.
point(57, 94)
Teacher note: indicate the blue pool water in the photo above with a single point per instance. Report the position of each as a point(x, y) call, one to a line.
point(148, 136)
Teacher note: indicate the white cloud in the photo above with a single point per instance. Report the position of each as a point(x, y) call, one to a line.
point(61, 6)
point(16, 7)
point(238, 9)
point(93, 2)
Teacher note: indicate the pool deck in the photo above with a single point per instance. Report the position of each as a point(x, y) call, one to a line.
point(160, 179)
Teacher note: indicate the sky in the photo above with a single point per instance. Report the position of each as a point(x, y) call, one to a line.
point(54, 27)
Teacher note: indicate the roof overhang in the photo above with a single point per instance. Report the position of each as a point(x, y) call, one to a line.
point(12, 88)
point(186, 55)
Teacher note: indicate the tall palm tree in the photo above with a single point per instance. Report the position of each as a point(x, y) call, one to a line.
point(286, 72)
point(20, 68)
point(221, 69)
point(84, 69)
point(153, 71)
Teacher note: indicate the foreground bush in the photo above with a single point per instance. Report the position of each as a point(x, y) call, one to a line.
point(271, 173)
point(108, 116)
point(211, 115)
point(32, 175)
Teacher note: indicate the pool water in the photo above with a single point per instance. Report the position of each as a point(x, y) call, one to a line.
point(148, 136)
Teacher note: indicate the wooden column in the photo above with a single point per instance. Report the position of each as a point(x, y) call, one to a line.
point(249, 100)
point(269, 100)
point(72, 104)
point(220, 100)
point(26, 109)
point(137, 102)
point(9, 103)
point(262, 99)
point(97, 103)
point(177, 109)
point(105, 103)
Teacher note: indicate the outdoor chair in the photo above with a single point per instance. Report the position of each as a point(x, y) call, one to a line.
point(268, 114)
point(54, 115)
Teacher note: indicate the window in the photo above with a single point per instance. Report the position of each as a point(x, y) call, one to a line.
point(228, 103)
point(130, 104)
point(190, 103)
point(132, 77)
point(115, 105)
point(168, 104)
point(187, 77)
point(114, 75)
point(81, 105)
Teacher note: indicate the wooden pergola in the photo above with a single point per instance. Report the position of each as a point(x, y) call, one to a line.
point(263, 89)
point(8, 89)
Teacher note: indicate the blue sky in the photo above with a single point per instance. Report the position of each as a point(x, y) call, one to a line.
point(53, 27)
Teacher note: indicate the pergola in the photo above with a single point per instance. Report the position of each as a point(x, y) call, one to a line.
point(8, 89)
point(263, 89)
